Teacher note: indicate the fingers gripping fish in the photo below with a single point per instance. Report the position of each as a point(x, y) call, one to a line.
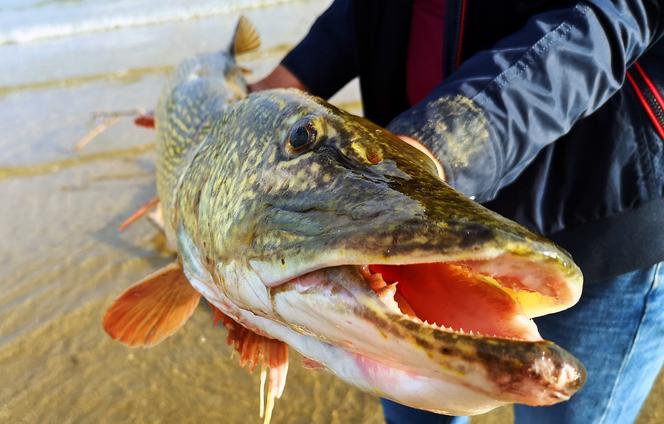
point(307, 226)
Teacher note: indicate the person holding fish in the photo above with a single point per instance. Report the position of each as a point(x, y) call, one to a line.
point(549, 113)
point(305, 227)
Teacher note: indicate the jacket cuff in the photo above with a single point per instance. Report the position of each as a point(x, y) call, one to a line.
point(456, 131)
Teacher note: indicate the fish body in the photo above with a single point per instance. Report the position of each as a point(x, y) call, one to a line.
point(196, 92)
point(307, 225)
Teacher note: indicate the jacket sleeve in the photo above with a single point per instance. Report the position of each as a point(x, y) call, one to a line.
point(325, 60)
point(489, 120)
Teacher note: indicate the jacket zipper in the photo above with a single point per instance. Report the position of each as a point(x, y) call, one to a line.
point(454, 36)
point(461, 22)
point(649, 96)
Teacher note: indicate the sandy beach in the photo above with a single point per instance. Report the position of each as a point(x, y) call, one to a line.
point(64, 261)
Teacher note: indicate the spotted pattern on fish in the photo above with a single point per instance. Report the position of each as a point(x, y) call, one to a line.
point(196, 92)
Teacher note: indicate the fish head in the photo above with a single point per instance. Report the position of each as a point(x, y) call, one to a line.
point(323, 230)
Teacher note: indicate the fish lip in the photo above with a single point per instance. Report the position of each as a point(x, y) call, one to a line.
point(516, 389)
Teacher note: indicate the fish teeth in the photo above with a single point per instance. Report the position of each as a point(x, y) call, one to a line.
point(386, 295)
point(435, 325)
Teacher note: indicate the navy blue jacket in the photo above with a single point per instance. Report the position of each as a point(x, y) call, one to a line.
point(569, 95)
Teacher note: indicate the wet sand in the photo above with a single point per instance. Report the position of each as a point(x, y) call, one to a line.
point(63, 260)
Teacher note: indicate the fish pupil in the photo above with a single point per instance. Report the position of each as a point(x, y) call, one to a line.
point(301, 136)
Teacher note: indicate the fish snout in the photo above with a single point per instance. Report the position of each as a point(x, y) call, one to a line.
point(544, 375)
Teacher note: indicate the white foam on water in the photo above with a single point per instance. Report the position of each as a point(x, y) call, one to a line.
point(51, 19)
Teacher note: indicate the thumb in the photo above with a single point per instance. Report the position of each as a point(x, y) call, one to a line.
point(422, 148)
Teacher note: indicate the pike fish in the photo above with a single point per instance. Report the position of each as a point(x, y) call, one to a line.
point(305, 226)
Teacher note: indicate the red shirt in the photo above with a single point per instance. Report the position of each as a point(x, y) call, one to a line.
point(424, 69)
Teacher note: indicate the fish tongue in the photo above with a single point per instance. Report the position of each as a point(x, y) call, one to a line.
point(253, 348)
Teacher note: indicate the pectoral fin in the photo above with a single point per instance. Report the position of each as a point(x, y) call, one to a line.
point(152, 309)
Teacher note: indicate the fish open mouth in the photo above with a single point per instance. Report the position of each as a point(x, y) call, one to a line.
point(447, 333)
point(462, 328)
point(491, 298)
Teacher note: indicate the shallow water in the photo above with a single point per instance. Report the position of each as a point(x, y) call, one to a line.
point(63, 260)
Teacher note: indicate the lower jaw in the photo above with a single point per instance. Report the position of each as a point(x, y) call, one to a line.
point(450, 397)
point(416, 389)
point(428, 388)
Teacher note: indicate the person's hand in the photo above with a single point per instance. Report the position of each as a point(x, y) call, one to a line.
point(280, 77)
point(422, 148)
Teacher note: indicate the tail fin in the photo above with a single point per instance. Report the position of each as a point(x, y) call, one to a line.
point(245, 38)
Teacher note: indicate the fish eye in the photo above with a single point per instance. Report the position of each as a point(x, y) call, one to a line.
point(302, 135)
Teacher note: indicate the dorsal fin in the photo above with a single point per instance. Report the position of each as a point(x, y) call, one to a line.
point(245, 38)
point(152, 309)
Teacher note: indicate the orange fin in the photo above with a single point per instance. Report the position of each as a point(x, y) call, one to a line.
point(152, 309)
point(245, 38)
point(253, 349)
point(145, 120)
point(140, 213)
